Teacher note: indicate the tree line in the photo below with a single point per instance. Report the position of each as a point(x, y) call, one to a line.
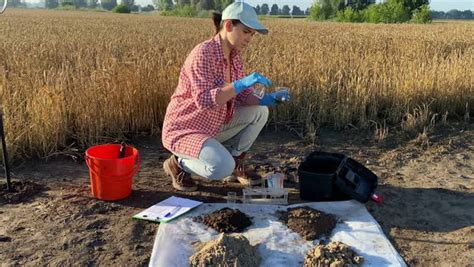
point(264, 9)
point(125, 6)
point(390, 11)
point(452, 14)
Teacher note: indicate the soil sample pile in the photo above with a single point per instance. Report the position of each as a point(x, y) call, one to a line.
point(227, 250)
point(311, 224)
point(226, 220)
point(335, 254)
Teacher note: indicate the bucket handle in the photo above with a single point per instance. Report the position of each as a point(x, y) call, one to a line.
point(135, 170)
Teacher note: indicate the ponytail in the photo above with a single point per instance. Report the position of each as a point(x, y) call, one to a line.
point(217, 19)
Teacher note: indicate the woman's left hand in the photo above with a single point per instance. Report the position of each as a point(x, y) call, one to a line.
point(250, 81)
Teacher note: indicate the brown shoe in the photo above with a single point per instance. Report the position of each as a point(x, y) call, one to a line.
point(182, 180)
point(245, 177)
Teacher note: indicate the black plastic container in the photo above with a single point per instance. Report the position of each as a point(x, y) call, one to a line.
point(327, 176)
point(317, 177)
point(355, 180)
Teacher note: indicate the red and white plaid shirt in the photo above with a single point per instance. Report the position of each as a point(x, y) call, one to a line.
point(193, 115)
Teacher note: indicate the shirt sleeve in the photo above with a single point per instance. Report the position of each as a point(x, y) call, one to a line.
point(201, 76)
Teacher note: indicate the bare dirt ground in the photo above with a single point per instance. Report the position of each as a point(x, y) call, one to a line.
point(428, 213)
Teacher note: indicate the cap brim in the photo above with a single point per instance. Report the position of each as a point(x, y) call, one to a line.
point(256, 26)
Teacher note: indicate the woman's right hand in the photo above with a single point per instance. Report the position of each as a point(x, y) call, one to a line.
point(250, 81)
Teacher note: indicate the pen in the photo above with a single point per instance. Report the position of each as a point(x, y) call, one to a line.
point(172, 211)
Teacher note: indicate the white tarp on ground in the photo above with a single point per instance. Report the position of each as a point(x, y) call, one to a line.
point(279, 246)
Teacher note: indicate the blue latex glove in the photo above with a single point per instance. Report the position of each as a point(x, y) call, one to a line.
point(250, 81)
point(271, 99)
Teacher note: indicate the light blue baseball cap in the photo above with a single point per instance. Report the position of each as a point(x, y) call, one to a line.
point(246, 14)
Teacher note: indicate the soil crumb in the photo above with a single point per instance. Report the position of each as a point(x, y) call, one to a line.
point(310, 223)
point(335, 254)
point(227, 250)
point(226, 220)
point(22, 191)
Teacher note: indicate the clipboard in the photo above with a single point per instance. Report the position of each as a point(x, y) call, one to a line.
point(167, 210)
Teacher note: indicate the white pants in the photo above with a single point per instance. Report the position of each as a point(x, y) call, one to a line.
point(215, 159)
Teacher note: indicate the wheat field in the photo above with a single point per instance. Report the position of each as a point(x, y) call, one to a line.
point(72, 79)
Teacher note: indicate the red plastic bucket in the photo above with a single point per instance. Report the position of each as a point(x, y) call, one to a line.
point(111, 176)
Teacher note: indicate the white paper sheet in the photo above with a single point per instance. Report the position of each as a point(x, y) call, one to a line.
point(167, 209)
point(278, 245)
